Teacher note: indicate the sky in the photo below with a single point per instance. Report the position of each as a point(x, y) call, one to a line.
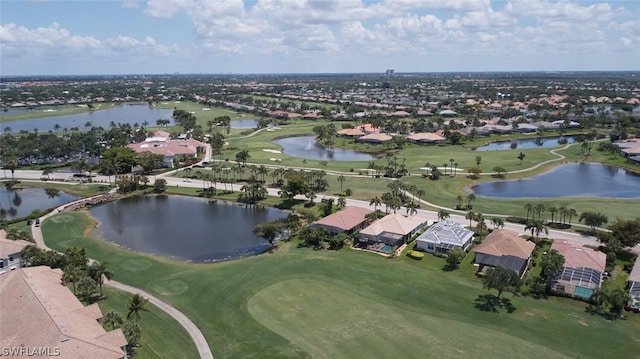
point(40, 37)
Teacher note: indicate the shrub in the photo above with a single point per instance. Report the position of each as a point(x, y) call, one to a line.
point(557, 225)
point(415, 255)
point(514, 219)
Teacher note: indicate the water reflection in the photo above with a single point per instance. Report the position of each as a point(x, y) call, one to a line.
point(16, 203)
point(569, 180)
point(183, 228)
point(306, 147)
point(529, 143)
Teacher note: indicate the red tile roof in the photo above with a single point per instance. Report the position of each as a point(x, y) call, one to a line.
point(503, 242)
point(577, 256)
point(345, 219)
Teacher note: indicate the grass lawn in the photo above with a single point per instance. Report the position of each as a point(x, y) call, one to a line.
point(162, 336)
point(298, 302)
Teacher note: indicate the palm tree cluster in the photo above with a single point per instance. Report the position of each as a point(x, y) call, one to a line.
point(564, 214)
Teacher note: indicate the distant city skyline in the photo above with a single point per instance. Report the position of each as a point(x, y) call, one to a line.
point(324, 36)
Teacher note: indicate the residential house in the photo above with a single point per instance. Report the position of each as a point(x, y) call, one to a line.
point(634, 284)
point(346, 220)
point(426, 138)
point(351, 132)
point(161, 143)
point(583, 269)
point(10, 253)
point(374, 138)
point(38, 311)
point(443, 237)
point(392, 229)
point(504, 248)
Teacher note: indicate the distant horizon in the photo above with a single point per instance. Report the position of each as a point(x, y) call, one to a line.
point(231, 37)
point(380, 73)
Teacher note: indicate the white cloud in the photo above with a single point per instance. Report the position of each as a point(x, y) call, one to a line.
point(130, 4)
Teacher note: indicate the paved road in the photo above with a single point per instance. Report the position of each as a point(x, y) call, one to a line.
point(196, 335)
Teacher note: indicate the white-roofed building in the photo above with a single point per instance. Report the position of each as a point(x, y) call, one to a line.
point(443, 237)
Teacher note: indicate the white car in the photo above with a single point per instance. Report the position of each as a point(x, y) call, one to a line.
point(187, 180)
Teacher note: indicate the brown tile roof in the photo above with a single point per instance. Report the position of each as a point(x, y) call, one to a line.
point(9, 247)
point(375, 137)
point(503, 242)
point(351, 132)
point(168, 147)
point(345, 219)
point(425, 137)
point(394, 223)
point(37, 311)
point(577, 256)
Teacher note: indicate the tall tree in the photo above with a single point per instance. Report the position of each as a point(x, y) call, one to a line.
point(137, 304)
point(98, 272)
point(502, 280)
point(593, 219)
point(626, 231)
point(113, 319)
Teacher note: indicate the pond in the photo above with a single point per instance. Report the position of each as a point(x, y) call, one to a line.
point(130, 114)
point(528, 143)
point(306, 147)
point(183, 228)
point(18, 203)
point(568, 180)
point(244, 124)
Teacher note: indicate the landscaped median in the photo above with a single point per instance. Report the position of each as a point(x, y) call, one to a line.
point(303, 302)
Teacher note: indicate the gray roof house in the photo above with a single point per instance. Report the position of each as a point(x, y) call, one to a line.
point(443, 237)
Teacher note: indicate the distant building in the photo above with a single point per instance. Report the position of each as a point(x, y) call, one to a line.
point(390, 72)
point(162, 144)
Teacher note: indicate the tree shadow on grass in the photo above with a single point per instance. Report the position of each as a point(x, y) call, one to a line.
point(491, 303)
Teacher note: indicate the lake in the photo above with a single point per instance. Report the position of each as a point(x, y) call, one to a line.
point(130, 114)
point(306, 147)
point(568, 180)
point(183, 228)
point(20, 203)
point(529, 143)
point(244, 124)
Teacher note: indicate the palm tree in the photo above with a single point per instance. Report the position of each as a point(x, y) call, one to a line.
point(459, 199)
point(529, 208)
point(443, 214)
point(420, 193)
point(470, 198)
point(112, 318)
point(470, 216)
point(452, 162)
point(47, 172)
point(534, 226)
point(571, 212)
point(539, 208)
point(553, 210)
point(375, 201)
point(497, 222)
point(137, 303)
point(98, 272)
point(72, 273)
point(341, 179)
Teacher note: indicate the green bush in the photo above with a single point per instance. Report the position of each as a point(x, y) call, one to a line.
point(520, 220)
point(557, 225)
point(416, 255)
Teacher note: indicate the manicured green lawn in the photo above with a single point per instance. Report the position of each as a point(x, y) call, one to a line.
point(162, 336)
point(298, 302)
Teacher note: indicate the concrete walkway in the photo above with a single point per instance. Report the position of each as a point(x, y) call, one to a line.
point(195, 333)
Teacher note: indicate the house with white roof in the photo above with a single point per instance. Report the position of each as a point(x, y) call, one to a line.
point(634, 284)
point(443, 237)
